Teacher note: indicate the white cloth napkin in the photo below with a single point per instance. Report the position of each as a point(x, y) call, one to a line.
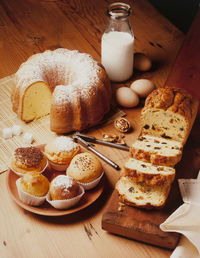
point(186, 220)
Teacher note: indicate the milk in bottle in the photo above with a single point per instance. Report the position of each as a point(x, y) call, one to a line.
point(117, 44)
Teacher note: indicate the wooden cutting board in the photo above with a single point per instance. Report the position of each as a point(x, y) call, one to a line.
point(143, 225)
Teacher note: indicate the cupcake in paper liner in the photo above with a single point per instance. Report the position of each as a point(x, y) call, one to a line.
point(92, 184)
point(86, 169)
point(64, 192)
point(22, 174)
point(32, 188)
point(58, 167)
point(28, 159)
point(60, 152)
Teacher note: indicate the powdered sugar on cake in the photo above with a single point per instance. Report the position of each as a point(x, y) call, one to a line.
point(76, 73)
point(71, 86)
point(63, 181)
point(63, 143)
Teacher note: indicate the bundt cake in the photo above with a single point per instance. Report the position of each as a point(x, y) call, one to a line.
point(69, 85)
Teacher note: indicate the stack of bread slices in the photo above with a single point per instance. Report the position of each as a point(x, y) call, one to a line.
point(167, 118)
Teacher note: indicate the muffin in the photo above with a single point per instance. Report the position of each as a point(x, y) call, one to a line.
point(60, 152)
point(26, 159)
point(32, 188)
point(64, 192)
point(86, 169)
point(63, 187)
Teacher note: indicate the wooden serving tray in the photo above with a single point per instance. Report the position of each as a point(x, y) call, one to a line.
point(143, 225)
point(138, 224)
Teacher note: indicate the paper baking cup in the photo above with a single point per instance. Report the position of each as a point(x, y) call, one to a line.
point(22, 174)
point(90, 185)
point(65, 204)
point(58, 167)
point(28, 198)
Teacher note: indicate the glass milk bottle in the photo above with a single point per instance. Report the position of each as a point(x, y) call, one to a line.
point(117, 43)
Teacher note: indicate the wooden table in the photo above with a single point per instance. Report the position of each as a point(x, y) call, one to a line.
point(28, 27)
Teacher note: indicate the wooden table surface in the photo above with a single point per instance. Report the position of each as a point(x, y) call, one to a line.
point(28, 27)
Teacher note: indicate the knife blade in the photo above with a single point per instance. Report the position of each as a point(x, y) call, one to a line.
point(100, 155)
point(95, 140)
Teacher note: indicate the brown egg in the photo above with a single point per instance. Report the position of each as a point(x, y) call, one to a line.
point(126, 97)
point(142, 87)
point(142, 62)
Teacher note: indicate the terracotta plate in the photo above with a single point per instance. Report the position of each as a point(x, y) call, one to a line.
point(46, 209)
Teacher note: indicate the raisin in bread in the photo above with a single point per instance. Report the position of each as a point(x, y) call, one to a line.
point(140, 171)
point(142, 195)
point(169, 113)
point(156, 150)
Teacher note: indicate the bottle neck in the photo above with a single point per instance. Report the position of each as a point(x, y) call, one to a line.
point(118, 14)
point(118, 11)
point(121, 25)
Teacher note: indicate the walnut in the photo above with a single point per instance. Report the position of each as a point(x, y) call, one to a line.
point(114, 138)
point(110, 137)
point(122, 124)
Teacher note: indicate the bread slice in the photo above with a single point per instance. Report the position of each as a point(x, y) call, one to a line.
point(157, 150)
point(141, 195)
point(140, 171)
point(169, 113)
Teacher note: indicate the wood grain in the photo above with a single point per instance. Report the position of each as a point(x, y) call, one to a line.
point(28, 27)
point(144, 225)
point(138, 224)
point(186, 70)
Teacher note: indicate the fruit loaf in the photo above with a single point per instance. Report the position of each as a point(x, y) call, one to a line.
point(156, 150)
point(142, 195)
point(166, 120)
point(169, 113)
point(140, 171)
